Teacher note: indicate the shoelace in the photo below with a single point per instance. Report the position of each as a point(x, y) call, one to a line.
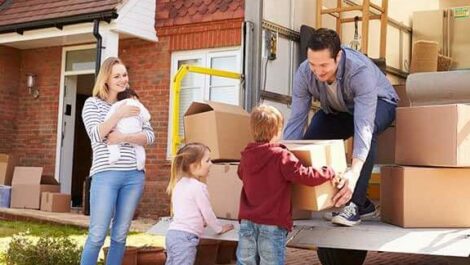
point(350, 210)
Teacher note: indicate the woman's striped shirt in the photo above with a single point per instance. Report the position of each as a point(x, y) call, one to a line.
point(93, 114)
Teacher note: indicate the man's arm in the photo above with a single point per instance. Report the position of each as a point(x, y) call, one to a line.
point(301, 102)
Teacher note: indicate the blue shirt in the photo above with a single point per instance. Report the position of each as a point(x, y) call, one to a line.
point(360, 83)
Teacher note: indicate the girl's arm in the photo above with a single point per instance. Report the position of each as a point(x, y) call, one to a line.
point(204, 205)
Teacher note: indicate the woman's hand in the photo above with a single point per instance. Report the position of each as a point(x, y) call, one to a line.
point(226, 228)
point(115, 137)
point(125, 111)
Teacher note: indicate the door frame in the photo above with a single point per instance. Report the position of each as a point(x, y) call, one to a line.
point(63, 74)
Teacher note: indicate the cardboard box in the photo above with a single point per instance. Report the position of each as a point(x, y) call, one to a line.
point(373, 189)
point(433, 136)
point(317, 153)
point(425, 196)
point(55, 202)
point(223, 127)
point(386, 147)
point(225, 187)
point(28, 184)
point(401, 91)
point(7, 165)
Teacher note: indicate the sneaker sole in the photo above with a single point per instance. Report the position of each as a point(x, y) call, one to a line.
point(344, 222)
point(365, 217)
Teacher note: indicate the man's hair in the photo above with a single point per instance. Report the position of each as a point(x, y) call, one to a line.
point(128, 93)
point(266, 122)
point(324, 38)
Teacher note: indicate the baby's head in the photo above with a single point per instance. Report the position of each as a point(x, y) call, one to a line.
point(192, 160)
point(266, 123)
point(128, 93)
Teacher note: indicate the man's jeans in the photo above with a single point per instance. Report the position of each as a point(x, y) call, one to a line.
point(114, 194)
point(341, 126)
point(260, 244)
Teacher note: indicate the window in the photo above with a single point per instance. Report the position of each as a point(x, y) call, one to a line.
point(197, 87)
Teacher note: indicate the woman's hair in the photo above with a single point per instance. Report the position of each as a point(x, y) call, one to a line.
point(189, 154)
point(101, 89)
point(265, 122)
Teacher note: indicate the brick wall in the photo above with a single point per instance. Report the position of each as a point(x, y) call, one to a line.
point(9, 85)
point(36, 119)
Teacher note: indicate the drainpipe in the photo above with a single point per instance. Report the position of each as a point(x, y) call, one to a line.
point(99, 45)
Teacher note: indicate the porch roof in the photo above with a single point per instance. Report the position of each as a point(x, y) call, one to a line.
point(19, 15)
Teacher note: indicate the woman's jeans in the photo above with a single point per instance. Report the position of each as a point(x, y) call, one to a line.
point(260, 244)
point(114, 195)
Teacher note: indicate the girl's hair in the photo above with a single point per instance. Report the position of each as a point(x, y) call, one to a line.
point(189, 154)
point(265, 122)
point(101, 89)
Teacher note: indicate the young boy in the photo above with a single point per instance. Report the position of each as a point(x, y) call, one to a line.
point(267, 170)
point(129, 125)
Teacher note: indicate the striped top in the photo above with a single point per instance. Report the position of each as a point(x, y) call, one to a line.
point(93, 114)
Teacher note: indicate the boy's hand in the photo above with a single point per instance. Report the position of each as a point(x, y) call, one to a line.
point(226, 228)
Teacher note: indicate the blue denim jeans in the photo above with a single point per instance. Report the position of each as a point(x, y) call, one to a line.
point(113, 195)
point(181, 247)
point(260, 244)
point(341, 126)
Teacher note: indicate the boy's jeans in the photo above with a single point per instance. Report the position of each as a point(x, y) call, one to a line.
point(114, 194)
point(260, 244)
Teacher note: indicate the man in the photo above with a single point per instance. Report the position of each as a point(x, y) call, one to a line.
point(356, 100)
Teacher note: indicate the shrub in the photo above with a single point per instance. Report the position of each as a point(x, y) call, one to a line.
point(48, 250)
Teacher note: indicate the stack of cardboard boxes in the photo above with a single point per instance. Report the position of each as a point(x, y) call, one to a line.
point(226, 130)
point(429, 186)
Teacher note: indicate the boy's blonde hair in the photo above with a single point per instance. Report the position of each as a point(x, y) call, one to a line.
point(266, 123)
point(189, 154)
point(101, 89)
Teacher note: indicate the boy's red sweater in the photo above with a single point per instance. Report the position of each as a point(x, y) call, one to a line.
point(267, 171)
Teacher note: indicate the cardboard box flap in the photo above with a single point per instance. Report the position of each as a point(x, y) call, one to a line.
point(49, 180)
point(4, 158)
point(200, 107)
point(27, 175)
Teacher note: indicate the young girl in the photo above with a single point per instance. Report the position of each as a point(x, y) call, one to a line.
point(190, 202)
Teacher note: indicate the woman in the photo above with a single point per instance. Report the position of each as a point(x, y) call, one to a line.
point(116, 188)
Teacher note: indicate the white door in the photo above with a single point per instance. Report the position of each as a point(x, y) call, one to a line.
point(68, 131)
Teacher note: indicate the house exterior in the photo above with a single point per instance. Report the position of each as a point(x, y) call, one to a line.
point(53, 42)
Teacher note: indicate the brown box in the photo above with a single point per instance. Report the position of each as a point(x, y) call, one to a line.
point(223, 127)
point(401, 91)
point(7, 165)
point(55, 202)
point(317, 153)
point(224, 187)
point(28, 184)
point(425, 196)
point(386, 147)
point(433, 136)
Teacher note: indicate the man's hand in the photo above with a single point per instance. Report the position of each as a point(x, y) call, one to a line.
point(226, 228)
point(346, 185)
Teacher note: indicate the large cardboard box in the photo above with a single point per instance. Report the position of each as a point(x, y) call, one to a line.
point(386, 147)
point(55, 202)
point(28, 184)
point(225, 188)
point(223, 127)
point(433, 136)
point(7, 165)
point(425, 196)
point(317, 153)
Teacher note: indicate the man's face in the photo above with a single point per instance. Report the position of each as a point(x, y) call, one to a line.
point(322, 65)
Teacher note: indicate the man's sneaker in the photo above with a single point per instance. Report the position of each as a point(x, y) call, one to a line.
point(371, 212)
point(349, 216)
